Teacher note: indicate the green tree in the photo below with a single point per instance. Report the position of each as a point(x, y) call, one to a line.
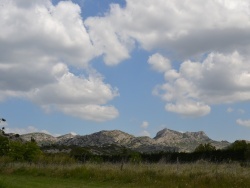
point(28, 151)
point(31, 151)
point(238, 145)
point(205, 148)
point(4, 145)
point(241, 146)
point(16, 151)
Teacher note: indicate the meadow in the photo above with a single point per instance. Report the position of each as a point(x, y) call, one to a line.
point(199, 174)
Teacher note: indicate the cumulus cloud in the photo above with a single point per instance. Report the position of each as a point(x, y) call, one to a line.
point(159, 63)
point(113, 46)
point(39, 41)
point(38, 31)
point(211, 39)
point(188, 29)
point(241, 122)
point(191, 109)
point(219, 78)
point(77, 96)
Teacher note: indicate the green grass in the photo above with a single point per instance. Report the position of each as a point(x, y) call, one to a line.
point(18, 175)
point(24, 181)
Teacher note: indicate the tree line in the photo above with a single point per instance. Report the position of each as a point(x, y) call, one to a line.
point(237, 151)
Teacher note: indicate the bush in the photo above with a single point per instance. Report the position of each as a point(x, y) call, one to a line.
point(4, 145)
point(16, 151)
point(28, 151)
point(31, 151)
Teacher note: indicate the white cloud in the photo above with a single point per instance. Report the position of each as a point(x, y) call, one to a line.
point(159, 63)
point(241, 122)
point(91, 112)
point(145, 133)
point(29, 129)
point(191, 109)
point(113, 46)
point(38, 42)
point(212, 39)
point(42, 31)
point(41, 35)
point(144, 124)
point(184, 29)
point(77, 96)
point(217, 79)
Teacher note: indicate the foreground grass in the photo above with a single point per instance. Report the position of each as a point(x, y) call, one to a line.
point(110, 175)
point(17, 181)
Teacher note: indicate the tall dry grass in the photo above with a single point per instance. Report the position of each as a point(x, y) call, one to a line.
point(200, 174)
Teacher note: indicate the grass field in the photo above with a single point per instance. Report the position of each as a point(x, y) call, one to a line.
point(20, 175)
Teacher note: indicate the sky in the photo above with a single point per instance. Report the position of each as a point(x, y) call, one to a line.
point(83, 66)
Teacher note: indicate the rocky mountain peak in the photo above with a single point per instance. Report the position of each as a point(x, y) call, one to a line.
point(66, 136)
point(187, 141)
point(101, 138)
point(116, 134)
point(174, 135)
point(168, 134)
point(197, 135)
point(40, 138)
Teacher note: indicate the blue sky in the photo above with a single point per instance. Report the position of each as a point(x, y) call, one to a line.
point(138, 66)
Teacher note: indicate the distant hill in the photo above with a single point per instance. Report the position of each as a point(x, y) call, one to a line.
point(165, 140)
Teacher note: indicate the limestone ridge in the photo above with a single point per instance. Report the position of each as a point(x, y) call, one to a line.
point(165, 140)
point(170, 136)
point(45, 139)
point(100, 139)
point(119, 138)
point(187, 141)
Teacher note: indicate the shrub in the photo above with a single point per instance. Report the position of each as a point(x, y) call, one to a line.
point(4, 145)
point(205, 148)
point(28, 151)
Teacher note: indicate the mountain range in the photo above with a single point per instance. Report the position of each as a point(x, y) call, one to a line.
point(165, 140)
